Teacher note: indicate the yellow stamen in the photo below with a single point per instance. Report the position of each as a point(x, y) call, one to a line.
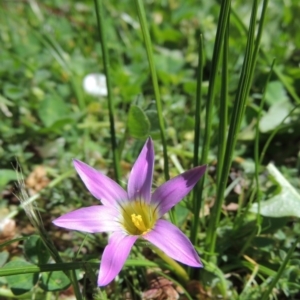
point(138, 217)
point(138, 222)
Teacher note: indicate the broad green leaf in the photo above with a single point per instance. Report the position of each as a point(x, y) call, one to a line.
point(181, 214)
point(35, 250)
point(13, 92)
point(7, 175)
point(54, 281)
point(274, 116)
point(52, 109)
point(154, 123)
point(57, 125)
point(138, 123)
point(284, 204)
point(275, 92)
point(22, 283)
point(3, 257)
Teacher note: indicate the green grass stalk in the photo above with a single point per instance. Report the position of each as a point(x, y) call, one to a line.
point(223, 110)
point(67, 266)
point(101, 29)
point(196, 200)
point(256, 190)
point(198, 101)
point(173, 265)
point(223, 18)
point(236, 117)
point(150, 56)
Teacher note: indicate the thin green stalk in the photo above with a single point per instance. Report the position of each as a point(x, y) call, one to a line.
point(198, 101)
point(101, 28)
point(196, 202)
point(238, 109)
point(150, 56)
point(174, 266)
point(283, 79)
point(224, 13)
point(255, 193)
point(256, 141)
point(243, 295)
point(280, 270)
point(223, 111)
point(9, 242)
point(256, 147)
point(238, 112)
point(257, 43)
point(67, 266)
point(149, 50)
point(5, 293)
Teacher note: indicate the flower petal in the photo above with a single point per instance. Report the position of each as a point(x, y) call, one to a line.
point(172, 191)
point(140, 178)
point(99, 185)
point(92, 219)
point(174, 243)
point(114, 256)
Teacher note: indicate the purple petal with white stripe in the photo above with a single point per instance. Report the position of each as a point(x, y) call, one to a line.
point(172, 191)
point(99, 185)
point(114, 256)
point(98, 218)
point(140, 178)
point(174, 243)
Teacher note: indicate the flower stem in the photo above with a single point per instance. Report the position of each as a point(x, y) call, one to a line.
point(175, 267)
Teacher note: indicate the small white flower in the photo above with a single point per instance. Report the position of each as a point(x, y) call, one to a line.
point(95, 84)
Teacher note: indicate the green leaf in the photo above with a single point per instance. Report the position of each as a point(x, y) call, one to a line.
point(52, 109)
point(22, 283)
point(284, 204)
point(181, 214)
point(274, 116)
point(154, 123)
point(35, 250)
point(3, 257)
point(138, 123)
point(7, 175)
point(13, 92)
point(57, 125)
point(54, 281)
point(275, 92)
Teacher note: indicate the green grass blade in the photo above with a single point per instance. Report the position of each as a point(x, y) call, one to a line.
point(150, 56)
point(198, 101)
point(4, 271)
point(223, 110)
point(236, 117)
point(223, 18)
point(101, 28)
point(196, 193)
point(148, 46)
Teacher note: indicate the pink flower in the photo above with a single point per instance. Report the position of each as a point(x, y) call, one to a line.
point(133, 214)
